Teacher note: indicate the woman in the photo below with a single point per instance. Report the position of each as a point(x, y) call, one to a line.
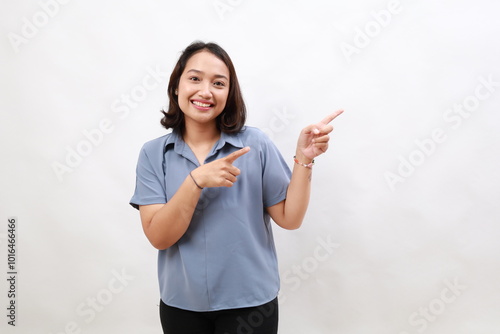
point(206, 193)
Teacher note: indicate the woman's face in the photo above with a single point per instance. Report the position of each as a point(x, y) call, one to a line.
point(203, 88)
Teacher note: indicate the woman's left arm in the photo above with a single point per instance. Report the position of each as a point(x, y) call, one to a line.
point(313, 141)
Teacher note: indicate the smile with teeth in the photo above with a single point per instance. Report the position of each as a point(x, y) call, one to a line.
point(200, 104)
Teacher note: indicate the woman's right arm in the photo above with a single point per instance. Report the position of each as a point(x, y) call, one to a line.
point(165, 224)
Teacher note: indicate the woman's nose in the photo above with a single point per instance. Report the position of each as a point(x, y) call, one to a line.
point(205, 92)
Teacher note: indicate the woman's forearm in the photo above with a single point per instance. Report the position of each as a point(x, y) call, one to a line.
point(298, 194)
point(290, 213)
point(166, 224)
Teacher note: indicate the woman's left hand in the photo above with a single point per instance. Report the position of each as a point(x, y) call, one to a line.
point(313, 139)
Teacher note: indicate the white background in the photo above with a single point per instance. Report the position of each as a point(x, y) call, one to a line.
point(398, 246)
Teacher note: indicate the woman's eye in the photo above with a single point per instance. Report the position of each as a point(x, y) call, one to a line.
point(194, 79)
point(220, 83)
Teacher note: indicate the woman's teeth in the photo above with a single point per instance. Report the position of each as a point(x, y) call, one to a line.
point(199, 104)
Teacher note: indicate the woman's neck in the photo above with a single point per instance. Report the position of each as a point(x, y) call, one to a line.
point(197, 135)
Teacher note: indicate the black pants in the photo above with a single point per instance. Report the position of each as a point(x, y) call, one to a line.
point(250, 320)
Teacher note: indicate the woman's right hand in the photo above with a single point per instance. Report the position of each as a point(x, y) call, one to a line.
point(219, 173)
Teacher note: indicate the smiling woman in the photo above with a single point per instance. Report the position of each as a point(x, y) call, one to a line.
point(203, 88)
point(222, 77)
point(217, 260)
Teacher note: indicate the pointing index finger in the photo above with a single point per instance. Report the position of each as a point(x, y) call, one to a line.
point(332, 116)
point(235, 155)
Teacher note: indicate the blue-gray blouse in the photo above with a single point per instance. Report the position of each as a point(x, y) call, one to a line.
point(227, 258)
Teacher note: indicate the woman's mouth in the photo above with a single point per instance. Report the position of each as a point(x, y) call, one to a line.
point(202, 105)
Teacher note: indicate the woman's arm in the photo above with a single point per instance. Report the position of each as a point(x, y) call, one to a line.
point(313, 141)
point(165, 224)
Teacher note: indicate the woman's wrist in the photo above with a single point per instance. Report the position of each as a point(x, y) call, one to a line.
point(196, 179)
point(302, 160)
point(196, 183)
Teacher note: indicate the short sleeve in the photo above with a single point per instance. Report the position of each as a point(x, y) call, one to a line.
point(150, 184)
point(275, 174)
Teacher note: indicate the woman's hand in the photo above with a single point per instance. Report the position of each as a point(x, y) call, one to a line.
point(219, 173)
point(313, 139)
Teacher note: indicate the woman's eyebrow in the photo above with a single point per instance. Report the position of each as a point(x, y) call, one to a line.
point(201, 72)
